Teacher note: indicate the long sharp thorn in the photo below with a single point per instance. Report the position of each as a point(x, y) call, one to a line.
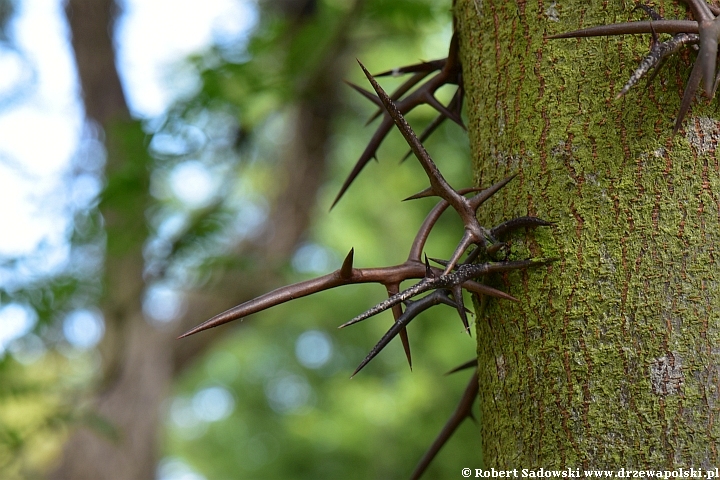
point(433, 102)
point(465, 242)
point(482, 289)
point(469, 364)
point(342, 276)
point(428, 192)
point(406, 346)
point(455, 106)
point(373, 98)
point(270, 299)
point(412, 310)
point(633, 28)
point(481, 197)
point(400, 91)
point(397, 311)
point(517, 223)
point(462, 311)
point(692, 85)
point(418, 67)
point(346, 270)
point(429, 273)
point(367, 155)
point(437, 181)
point(462, 411)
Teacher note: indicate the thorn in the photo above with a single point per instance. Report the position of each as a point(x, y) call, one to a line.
point(705, 30)
point(414, 308)
point(450, 73)
point(347, 267)
point(482, 289)
point(460, 307)
point(469, 364)
point(518, 223)
point(429, 273)
point(428, 192)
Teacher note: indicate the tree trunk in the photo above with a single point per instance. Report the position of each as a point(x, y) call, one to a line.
point(610, 359)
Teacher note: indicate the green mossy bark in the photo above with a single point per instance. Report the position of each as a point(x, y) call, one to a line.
point(612, 357)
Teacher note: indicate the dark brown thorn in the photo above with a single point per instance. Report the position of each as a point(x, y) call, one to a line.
point(429, 273)
point(633, 28)
point(517, 223)
point(344, 276)
point(399, 92)
point(692, 85)
point(472, 256)
point(367, 155)
point(271, 299)
point(481, 197)
point(649, 11)
point(346, 270)
point(455, 106)
point(437, 181)
point(460, 307)
point(445, 111)
point(451, 73)
point(397, 312)
point(482, 289)
point(468, 239)
point(366, 94)
point(412, 310)
point(462, 411)
point(405, 340)
point(426, 67)
point(469, 364)
point(428, 192)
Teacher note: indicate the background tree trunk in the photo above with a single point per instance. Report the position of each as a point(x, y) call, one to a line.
point(610, 359)
point(141, 360)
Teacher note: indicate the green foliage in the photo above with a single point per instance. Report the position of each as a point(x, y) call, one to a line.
point(376, 425)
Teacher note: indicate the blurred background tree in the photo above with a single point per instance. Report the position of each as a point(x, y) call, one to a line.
point(221, 197)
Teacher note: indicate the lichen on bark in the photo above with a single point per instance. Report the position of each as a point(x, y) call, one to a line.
point(611, 358)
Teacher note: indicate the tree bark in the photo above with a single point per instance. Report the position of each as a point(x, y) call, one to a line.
point(141, 360)
point(610, 358)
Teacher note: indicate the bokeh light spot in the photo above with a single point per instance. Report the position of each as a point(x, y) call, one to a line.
point(193, 184)
point(83, 329)
point(213, 403)
point(15, 321)
point(313, 349)
point(288, 393)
